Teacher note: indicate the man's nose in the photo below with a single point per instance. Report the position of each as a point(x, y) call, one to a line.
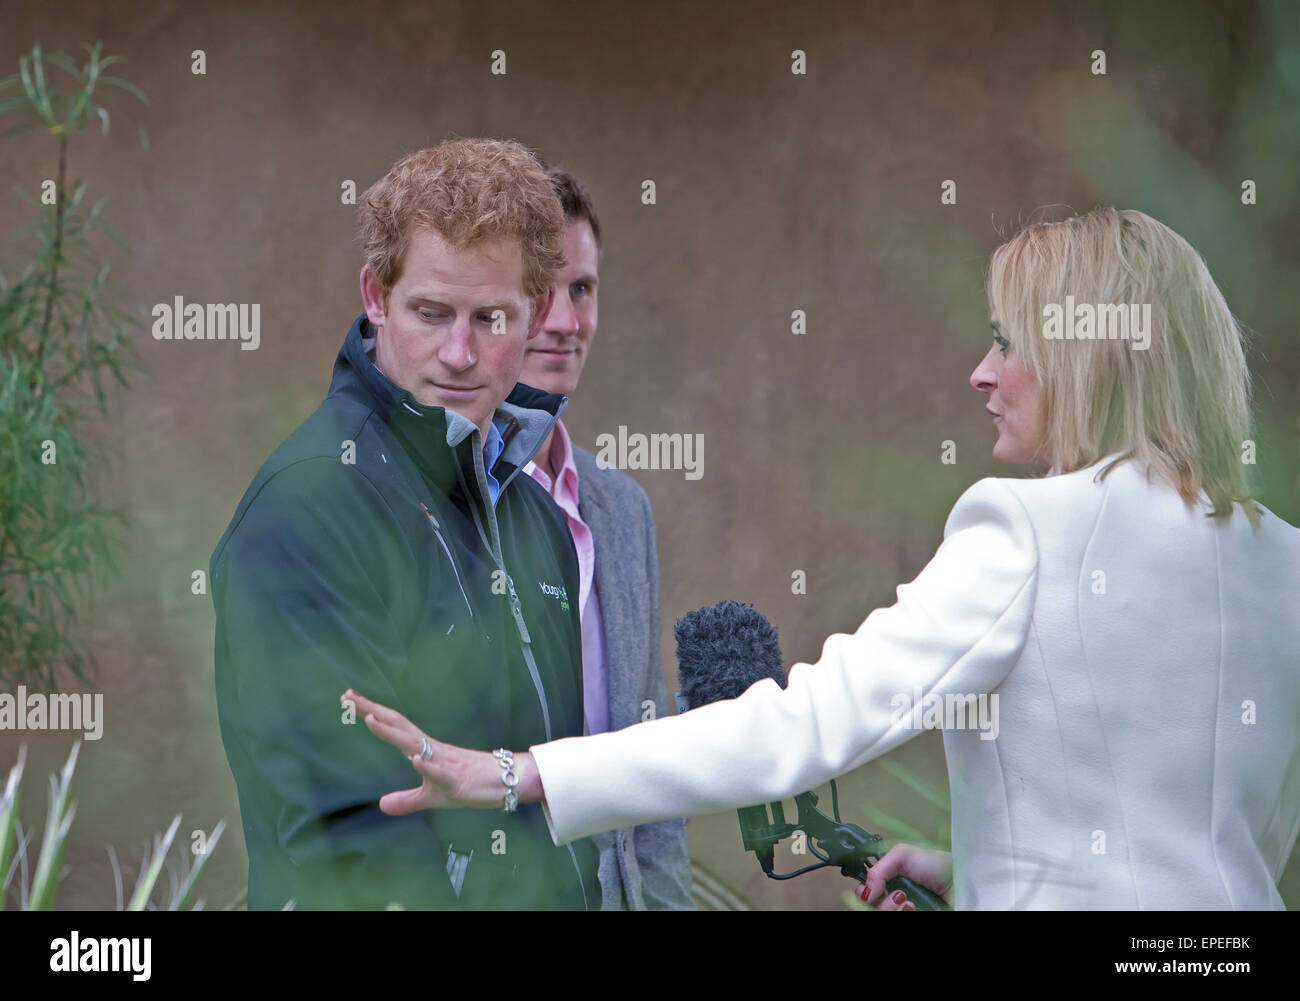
point(561, 319)
point(984, 378)
point(457, 348)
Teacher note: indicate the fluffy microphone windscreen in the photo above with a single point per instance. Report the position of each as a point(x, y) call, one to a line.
point(722, 650)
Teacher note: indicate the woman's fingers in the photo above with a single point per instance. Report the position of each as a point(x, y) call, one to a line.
point(390, 726)
point(931, 869)
point(434, 791)
point(896, 901)
point(890, 902)
point(452, 776)
point(406, 738)
point(890, 865)
point(381, 712)
point(406, 801)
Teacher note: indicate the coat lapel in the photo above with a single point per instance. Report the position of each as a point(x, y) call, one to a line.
point(619, 625)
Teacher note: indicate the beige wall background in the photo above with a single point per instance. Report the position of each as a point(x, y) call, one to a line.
point(775, 192)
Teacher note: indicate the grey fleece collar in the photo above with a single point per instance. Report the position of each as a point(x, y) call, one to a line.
point(534, 425)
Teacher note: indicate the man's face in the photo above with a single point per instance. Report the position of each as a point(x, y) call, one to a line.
point(554, 360)
point(441, 337)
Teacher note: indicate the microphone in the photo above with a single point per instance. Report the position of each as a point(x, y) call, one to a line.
point(721, 651)
point(724, 649)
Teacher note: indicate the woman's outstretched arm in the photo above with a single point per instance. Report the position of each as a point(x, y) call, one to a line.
point(958, 628)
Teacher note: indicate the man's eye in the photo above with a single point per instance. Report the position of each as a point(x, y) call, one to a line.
point(579, 288)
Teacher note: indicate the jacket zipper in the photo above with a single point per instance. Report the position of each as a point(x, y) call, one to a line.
point(516, 609)
point(494, 547)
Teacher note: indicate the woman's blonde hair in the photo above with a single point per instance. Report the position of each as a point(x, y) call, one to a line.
point(1181, 403)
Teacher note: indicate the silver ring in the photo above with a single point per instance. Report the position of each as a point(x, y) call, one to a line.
point(426, 751)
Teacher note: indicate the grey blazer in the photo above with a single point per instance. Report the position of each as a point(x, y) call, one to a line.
point(647, 867)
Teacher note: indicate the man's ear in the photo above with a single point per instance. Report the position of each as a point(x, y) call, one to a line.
point(372, 297)
point(541, 309)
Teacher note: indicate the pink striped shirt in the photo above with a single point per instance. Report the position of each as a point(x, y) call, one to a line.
point(564, 491)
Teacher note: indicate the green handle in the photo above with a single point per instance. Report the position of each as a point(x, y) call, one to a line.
point(924, 899)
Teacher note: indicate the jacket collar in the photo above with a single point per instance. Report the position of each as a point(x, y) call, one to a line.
point(438, 439)
point(1105, 460)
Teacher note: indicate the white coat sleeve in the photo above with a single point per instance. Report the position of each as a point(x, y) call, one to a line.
point(959, 628)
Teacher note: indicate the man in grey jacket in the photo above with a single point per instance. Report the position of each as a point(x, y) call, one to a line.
point(646, 867)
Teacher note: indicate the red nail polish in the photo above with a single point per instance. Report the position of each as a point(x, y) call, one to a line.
point(899, 896)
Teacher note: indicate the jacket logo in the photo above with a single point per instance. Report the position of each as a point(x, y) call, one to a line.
point(555, 591)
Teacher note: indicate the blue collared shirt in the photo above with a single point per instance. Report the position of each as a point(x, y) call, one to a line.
point(492, 449)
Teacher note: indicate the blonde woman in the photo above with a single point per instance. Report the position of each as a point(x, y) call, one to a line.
point(1133, 611)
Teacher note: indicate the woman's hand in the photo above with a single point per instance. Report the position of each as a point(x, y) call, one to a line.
point(453, 777)
point(931, 869)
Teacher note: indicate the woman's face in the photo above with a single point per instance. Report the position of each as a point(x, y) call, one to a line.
point(1013, 400)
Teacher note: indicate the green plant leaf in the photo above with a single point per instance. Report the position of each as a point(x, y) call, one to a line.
point(9, 804)
point(153, 864)
point(131, 88)
point(182, 897)
point(45, 881)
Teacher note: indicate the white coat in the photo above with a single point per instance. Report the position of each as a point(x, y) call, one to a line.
point(1146, 663)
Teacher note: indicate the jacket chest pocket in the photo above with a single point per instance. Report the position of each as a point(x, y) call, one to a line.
point(455, 571)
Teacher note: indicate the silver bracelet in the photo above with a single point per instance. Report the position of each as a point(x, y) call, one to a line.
point(508, 776)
